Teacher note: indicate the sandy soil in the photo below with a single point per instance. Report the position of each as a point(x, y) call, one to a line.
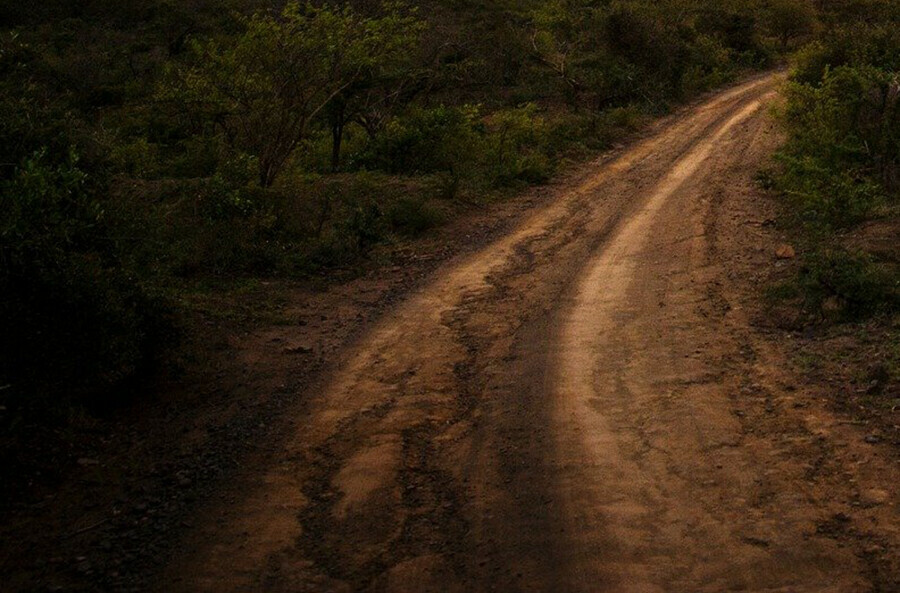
point(584, 404)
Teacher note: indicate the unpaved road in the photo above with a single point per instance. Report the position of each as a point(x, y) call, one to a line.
point(583, 405)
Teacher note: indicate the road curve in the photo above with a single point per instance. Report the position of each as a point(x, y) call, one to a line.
point(552, 413)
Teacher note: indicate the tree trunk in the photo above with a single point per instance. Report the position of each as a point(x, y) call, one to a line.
point(337, 137)
point(266, 175)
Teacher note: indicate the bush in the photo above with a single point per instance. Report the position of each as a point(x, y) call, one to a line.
point(412, 215)
point(75, 322)
point(265, 87)
point(843, 151)
point(852, 285)
point(427, 141)
point(516, 147)
point(841, 163)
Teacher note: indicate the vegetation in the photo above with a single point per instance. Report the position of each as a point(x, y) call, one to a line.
point(841, 165)
point(145, 145)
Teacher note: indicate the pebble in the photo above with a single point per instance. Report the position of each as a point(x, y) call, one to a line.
point(875, 496)
point(785, 251)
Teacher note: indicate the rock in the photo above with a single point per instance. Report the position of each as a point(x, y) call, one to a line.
point(875, 496)
point(873, 550)
point(879, 376)
point(831, 305)
point(873, 439)
point(785, 251)
point(298, 349)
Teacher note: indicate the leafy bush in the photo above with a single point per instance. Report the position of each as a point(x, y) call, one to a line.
point(74, 321)
point(788, 20)
point(844, 148)
point(852, 285)
point(517, 141)
point(841, 162)
point(413, 215)
point(427, 141)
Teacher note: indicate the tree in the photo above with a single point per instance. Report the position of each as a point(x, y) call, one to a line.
point(376, 94)
point(266, 87)
point(790, 19)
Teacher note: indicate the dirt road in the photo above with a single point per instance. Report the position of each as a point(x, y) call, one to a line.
point(583, 405)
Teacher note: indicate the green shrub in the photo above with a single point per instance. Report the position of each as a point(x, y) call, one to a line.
point(875, 44)
point(841, 163)
point(427, 141)
point(843, 151)
point(516, 145)
point(853, 285)
point(264, 88)
point(594, 130)
point(137, 158)
point(824, 199)
point(75, 322)
point(412, 215)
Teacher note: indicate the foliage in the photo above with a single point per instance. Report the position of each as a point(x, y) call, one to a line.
point(788, 20)
point(845, 144)
point(841, 162)
point(264, 88)
point(853, 285)
point(517, 146)
point(427, 141)
point(73, 318)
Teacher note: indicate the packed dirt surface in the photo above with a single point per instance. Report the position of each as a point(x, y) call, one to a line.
point(585, 404)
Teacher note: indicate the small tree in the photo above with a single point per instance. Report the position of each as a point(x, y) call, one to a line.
point(790, 19)
point(376, 94)
point(264, 88)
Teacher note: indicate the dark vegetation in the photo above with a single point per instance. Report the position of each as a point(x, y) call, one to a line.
point(147, 147)
point(840, 169)
point(839, 176)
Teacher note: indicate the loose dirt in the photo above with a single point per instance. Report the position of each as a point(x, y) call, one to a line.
point(584, 404)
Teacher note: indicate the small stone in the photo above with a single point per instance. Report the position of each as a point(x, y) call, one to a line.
point(85, 461)
point(831, 305)
point(874, 497)
point(873, 550)
point(873, 439)
point(298, 349)
point(785, 251)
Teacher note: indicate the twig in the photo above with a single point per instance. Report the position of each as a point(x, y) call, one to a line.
point(88, 528)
